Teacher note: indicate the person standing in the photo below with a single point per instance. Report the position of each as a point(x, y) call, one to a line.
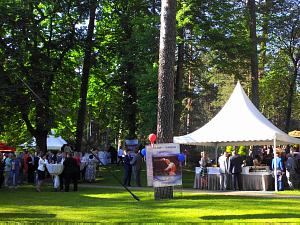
point(14, 173)
point(25, 164)
point(1, 170)
point(290, 171)
point(136, 163)
point(41, 172)
point(90, 172)
point(127, 168)
point(7, 169)
point(279, 170)
point(60, 160)
point(235, 168)
point(120, 156)
point(113, 154)
point(70, 172)
point(224, 171)
point(204, 163)
point(30, 169)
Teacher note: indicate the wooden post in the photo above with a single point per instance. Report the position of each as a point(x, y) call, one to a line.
point(163, 193)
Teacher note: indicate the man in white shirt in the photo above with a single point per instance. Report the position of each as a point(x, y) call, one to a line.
point(224, 170)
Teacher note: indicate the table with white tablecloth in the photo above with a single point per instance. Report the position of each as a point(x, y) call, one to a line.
point(260, 181)
point(55, 170)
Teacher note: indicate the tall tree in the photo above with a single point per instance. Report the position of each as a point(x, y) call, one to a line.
point(166, 71)
point(287, 28)
point(167, 45)
point(265, 20)
point(179, 83)
point(254, 56)
point(36, 39)
point(85, 74)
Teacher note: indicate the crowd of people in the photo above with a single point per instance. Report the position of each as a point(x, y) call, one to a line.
point(230, 167)
point(31, 167)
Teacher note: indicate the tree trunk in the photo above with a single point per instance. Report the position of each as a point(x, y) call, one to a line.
point(129, 110)
point(166, 82)
point(166, 72)
point(130, 98)
point(254, 58)
point(41, 141)
point(178, 84)
point(264, 39)
point(85, 77)
point(291, 91)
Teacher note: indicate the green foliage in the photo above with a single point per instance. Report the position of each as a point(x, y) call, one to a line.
point(229, 148)
point(242, 150)
point(42, 44)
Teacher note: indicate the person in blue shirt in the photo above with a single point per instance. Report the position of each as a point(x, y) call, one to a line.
point(280, 170)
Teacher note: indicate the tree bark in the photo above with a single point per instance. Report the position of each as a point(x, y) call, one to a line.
point(264, 39)
point(166, 72)
point(254, 58)
point(85, 76)
point(178, 84)
point(291, 91)
point(166, 82)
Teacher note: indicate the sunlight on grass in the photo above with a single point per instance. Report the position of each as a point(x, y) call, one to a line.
point(116, 205)
point(289, 192)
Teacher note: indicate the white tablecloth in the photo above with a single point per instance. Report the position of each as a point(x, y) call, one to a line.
point(55, 170)
point(251, 182)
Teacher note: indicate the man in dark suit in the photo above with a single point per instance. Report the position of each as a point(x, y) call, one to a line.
point(235, 169)
point(127, 168)
point(70, 172)
point(136, 163)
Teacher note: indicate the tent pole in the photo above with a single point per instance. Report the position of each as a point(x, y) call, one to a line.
point(216, 154)
point(275, 164)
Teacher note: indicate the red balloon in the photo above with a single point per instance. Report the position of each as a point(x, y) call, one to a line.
point(152, 138)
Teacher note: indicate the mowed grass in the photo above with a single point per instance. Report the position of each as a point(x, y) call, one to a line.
point(117, 205)
point(106, 176)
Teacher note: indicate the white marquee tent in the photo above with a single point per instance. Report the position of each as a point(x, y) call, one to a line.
point(238, 123)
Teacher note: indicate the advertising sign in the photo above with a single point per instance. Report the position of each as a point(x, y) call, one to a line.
point(163, 166)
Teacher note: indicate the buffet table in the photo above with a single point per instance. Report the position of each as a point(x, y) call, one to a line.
point(55, 170)
point(252, 179)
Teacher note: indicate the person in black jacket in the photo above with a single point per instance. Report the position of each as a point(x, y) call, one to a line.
point(235, 169)
point(127, 168)
point(70, 172)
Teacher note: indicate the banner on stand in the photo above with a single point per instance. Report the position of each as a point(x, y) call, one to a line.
point(163, 166)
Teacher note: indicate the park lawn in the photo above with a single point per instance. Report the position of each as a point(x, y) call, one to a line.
point(106, 176)
point(116, 206)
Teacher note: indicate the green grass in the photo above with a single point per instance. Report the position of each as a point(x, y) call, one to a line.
point(106, 205)
point(115, 205)
point(289, 192)
point(106, 177)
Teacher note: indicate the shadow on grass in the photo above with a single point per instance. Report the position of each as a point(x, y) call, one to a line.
point(252, 216)
point(8, 215)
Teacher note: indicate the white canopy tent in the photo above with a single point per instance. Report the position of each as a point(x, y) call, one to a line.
point(238, 123)
point(53, 143)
